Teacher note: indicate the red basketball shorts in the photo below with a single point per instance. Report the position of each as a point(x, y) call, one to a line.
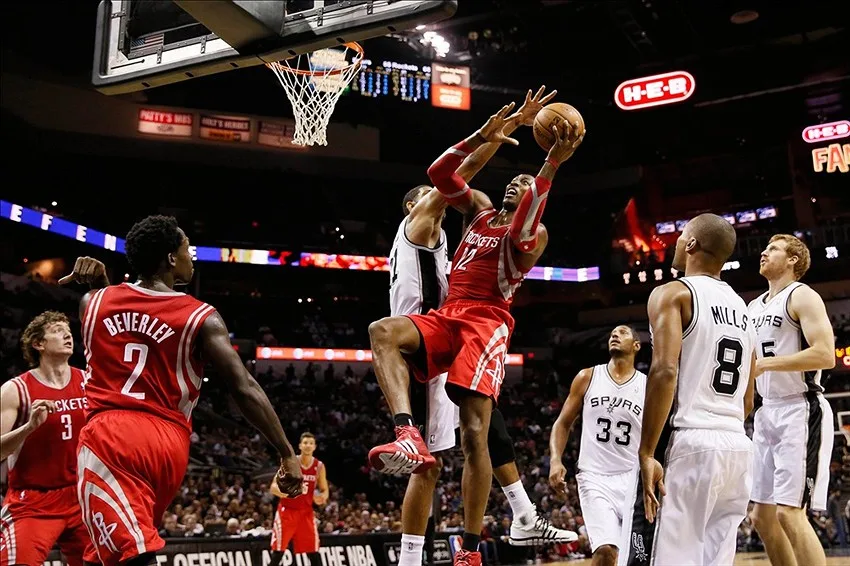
point(467, 339)
point(32, 521)
point(130, 465)
point(298, 526)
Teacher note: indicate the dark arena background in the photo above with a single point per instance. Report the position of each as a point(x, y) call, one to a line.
point(292, 242)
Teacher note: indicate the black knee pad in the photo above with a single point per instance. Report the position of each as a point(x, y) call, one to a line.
point(499, 442)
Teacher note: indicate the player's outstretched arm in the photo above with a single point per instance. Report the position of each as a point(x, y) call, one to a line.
point(806, 305)
point(561, 430)
point(665, 320)
point(528, 235)
point(10, 404)
point(443, 172)
point(250, 397)
point(89, 271)
point(523, 117)
point(432, 205)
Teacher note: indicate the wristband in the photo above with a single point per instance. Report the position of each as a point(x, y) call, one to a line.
point(480, 137)
point(552, 162)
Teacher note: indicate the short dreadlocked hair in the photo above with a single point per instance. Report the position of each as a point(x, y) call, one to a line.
point(34, 332)
point(150, 241)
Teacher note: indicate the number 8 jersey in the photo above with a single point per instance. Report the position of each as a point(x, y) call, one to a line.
point(141, 351)
point(611, 423)
point(714, 367)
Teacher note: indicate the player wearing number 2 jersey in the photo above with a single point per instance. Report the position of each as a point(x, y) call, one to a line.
point(468, 335)
point(41, 414)
point(144, 345)
point(703, 368)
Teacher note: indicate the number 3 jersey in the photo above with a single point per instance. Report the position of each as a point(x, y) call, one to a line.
point(48, 457)
point(714, 366)
point(142, 353)
point(611, 423)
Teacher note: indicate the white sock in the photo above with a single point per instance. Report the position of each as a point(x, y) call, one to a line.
point(518, 498)
point(411, 550)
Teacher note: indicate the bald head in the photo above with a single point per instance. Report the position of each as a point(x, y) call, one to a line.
point(714, 234)
point(711, 236)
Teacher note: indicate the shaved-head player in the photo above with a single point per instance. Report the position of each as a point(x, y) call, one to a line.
point(703, 359)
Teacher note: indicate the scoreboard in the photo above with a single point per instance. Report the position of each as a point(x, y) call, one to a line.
point(405, 81)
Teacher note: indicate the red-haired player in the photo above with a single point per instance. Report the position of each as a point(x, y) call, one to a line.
point(41, 414)
point(468, 335)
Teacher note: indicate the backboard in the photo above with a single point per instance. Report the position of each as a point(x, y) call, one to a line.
point(141, 44)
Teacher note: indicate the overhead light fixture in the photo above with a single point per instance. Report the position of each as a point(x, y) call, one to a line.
point(744, 17)
point(439, 43)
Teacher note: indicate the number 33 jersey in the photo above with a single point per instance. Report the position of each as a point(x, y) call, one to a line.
point(717, 352)
point(611, 423)
point(142, 353)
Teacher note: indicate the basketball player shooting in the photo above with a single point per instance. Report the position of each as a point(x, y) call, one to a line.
point(294, 520)
point(41, 414)
point(468, 336)
point(418, 283)
point(610, 399)
point(703, 357)
point(144, 344)
point(793, 429)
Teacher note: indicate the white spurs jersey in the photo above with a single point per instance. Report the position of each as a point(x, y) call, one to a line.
point(611, 422)
point(418, 279)
point(778, 334)
point(714, 367)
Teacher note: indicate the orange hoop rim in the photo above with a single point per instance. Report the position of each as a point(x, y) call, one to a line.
point(353, 45)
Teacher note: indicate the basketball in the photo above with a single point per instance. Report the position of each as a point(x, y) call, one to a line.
point(552, 115)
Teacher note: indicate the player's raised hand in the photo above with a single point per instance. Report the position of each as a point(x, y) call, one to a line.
point(491, 131)
point(652, 478)
point(288, 478)
point(39, 412)
point(86, 270)
point(566, 142)
point(557, 475)
point(532, 105)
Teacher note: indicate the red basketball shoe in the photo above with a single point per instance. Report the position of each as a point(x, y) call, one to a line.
point(407, 455)
point(467, 558)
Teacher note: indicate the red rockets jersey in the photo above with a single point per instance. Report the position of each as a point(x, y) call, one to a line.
point(483, 267)
point(48, 457)
point(305, 500)
point(140, 349)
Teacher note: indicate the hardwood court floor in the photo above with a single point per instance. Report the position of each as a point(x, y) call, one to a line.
point(742, 559)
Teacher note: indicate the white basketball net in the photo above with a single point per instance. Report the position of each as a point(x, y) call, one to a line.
point(315, 90)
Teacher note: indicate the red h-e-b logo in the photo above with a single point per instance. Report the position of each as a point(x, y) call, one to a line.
point(657, 90)
point(826, 132)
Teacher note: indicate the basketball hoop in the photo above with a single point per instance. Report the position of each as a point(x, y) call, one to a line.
point(313, 83)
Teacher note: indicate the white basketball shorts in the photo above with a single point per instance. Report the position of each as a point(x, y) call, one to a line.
point(443, 416)
point(708, 476)
point(793, 444)
point(603, 499)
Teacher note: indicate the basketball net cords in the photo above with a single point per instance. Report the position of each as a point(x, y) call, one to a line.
point(313, 98)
